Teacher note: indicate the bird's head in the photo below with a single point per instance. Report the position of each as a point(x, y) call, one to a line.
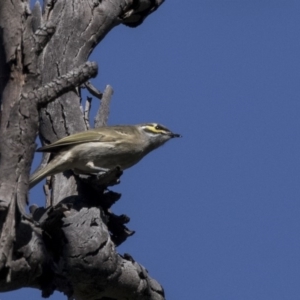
point(156, 134)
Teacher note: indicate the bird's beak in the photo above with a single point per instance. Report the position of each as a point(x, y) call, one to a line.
point(175, 135)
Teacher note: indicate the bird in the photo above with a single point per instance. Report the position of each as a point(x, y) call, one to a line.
point(96, 151)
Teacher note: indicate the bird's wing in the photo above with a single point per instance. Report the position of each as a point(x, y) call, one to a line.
point(78, 138)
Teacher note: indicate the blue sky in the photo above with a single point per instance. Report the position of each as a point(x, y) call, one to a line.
point(216, 213)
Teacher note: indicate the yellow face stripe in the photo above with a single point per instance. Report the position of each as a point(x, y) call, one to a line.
point(154, 130)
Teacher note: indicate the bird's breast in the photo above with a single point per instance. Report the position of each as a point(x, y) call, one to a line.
point(106, 155)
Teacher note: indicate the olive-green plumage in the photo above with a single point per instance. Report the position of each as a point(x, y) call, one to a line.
point(98, 150)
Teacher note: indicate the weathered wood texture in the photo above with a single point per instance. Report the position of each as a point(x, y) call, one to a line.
point(71, 245)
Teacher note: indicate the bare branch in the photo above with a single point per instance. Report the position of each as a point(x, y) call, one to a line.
point(86, 113)
point(63, 84)
point(47, 191)
point(93, 90)
point(96, 93)
point(61, 225)
point(139, 11)
point(103, 112)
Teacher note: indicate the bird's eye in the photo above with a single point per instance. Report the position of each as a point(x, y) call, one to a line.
point(157, 127)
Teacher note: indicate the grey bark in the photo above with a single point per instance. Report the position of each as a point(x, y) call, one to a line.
point(70, 245)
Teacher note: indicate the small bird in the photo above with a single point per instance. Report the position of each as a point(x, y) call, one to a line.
point(98, 150)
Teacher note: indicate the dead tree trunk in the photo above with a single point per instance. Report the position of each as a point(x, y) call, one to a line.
point(68, 246)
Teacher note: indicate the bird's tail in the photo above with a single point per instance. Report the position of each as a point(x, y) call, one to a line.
point(50, 169)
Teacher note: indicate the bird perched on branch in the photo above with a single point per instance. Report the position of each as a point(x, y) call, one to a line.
point(98, 150)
